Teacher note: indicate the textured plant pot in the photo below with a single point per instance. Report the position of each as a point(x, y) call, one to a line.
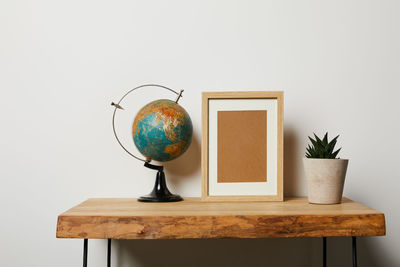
point(325, 179)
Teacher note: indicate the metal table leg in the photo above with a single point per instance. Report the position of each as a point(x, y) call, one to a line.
point(354, 245)
point(324, 251)
point(109, 253)
point(85, 252)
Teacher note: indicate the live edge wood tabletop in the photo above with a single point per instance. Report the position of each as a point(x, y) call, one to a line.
point(123, 218)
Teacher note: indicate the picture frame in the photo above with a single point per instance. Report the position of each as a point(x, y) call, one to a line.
point(242, 146)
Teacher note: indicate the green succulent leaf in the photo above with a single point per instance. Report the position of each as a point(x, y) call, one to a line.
point(325, 140)
point(319, 141)
point(334, 154)
point(313, 142)
point(322, 148)
point(331, 147)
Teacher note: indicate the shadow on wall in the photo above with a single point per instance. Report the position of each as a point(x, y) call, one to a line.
point(186, 165)
point(274, 252)
point(340, 252)
point(214, 252)
point(291, 162)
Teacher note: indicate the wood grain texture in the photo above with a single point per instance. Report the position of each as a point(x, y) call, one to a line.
point(206, 96)
point(192, 218)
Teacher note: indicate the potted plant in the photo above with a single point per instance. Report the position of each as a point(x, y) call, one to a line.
point(324, 172)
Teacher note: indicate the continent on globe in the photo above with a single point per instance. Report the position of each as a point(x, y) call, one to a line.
point(162, 130)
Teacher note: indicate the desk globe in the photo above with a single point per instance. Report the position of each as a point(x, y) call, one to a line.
point(162, 131)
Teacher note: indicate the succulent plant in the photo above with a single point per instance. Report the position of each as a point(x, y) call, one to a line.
point(321, 148)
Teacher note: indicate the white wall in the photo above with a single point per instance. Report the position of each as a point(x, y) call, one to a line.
point(63, 62)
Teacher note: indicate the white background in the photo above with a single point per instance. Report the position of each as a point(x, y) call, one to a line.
point(63, 62)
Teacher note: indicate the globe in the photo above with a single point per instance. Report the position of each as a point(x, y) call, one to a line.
point(162, 130)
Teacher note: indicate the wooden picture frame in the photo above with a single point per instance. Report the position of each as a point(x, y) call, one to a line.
point(227, 174)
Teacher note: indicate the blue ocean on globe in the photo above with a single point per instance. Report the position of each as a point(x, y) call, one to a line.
point(162, 130)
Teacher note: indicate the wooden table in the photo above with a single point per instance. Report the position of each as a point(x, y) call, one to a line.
point(121, 218)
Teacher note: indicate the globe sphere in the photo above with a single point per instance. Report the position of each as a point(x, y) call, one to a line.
point(162, 130)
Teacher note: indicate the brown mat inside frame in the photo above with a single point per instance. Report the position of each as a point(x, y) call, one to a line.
point(242, 146)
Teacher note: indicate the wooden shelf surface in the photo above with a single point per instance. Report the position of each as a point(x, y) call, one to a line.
point(126, 218)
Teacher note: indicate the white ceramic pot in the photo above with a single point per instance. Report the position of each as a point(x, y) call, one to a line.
point(325, 179)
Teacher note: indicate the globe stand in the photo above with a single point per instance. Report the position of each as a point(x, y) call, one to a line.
point(160, 191)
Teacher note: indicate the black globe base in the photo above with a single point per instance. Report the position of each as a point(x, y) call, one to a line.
point(160, 191)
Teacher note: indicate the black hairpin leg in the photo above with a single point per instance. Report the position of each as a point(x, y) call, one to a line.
point(354, 245)
point(324, 251)
point(85, 252)
point(109, 253)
